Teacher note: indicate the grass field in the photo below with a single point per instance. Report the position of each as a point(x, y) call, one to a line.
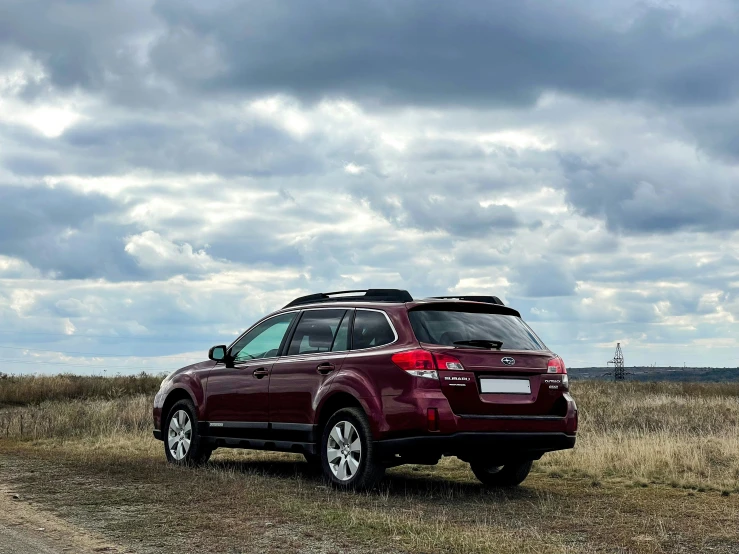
point(656, 469)
point(23, 390)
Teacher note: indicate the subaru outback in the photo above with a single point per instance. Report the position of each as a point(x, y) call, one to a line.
point(360, 381)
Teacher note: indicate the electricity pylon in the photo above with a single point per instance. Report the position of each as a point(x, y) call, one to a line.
point(619, 373)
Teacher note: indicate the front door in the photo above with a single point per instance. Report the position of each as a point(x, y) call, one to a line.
point(317, 349)
point(238, 397)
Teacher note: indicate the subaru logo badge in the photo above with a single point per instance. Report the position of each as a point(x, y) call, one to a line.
point(508, 361)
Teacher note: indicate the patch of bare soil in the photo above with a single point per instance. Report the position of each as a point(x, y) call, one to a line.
point(58, 508)
point(26, 529)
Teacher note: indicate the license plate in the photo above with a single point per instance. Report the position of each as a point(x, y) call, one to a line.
point(505, 386)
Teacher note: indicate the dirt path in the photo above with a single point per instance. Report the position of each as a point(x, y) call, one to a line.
point(73, 508)
point(24, 529)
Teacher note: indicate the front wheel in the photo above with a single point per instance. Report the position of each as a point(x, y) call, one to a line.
point(182, 442)
point(347, 453)
point(509, 475)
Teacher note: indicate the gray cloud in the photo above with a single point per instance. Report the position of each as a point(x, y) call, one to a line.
point(655, 201)
point(543, 277)
point(455, 52)
point(439, 53)
point(458, 216)
point(58, 230)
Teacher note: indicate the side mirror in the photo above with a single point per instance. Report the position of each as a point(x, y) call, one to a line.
point(217, 353)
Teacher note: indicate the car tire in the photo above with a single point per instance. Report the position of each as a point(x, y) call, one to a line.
point(509, 475)
point(183, 445)
point(347, 452)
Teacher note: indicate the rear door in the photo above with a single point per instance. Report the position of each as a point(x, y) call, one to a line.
point(511, 380)
point(313, 356)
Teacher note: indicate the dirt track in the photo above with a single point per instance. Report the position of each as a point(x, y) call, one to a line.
point(26, 530)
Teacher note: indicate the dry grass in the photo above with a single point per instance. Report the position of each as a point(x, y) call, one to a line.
point(83, 419)
point(683, 435)
point(29, 389)
point(620, 489)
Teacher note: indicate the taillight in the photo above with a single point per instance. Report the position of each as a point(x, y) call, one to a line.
point(556, 365)
point(445, 361)
point(416, 362)
point(423, 363)
point(414, 359)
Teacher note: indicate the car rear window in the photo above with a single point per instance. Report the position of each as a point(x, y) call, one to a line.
point(445, 327)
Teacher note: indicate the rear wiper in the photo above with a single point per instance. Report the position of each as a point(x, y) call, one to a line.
point(480, 343)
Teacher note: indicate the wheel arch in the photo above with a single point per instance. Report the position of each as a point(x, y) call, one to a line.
point(175, 395)
point(332, 404)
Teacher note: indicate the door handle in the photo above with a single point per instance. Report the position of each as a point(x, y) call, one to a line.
point(261, 372)
point(325, 368)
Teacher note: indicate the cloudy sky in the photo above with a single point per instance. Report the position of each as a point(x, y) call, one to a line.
point(171, 170)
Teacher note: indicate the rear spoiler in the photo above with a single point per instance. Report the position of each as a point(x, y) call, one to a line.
point(485, 299)
point(442, 304)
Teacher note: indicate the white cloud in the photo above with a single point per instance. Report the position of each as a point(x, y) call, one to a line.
point(152, 251)
point(354, 169)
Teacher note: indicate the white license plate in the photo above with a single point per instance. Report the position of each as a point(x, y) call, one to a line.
point(505, 386)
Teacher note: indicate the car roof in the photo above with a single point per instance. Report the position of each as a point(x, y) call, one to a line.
point(415, 304)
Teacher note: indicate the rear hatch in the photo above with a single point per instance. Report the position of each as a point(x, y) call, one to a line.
point(496, 379)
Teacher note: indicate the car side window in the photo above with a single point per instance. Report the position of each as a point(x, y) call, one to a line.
point(315, 331)
point(341, 340)
point(371, 329)
point(264, 340)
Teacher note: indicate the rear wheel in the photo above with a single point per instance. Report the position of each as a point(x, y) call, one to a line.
point(347, 453)
point(509, 475)
point(182, 442)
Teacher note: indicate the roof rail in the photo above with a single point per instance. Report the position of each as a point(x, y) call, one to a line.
point(485, 299)
point(370, 295)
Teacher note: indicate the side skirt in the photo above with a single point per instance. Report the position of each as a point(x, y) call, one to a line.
point(260, 435)
point(255, 444)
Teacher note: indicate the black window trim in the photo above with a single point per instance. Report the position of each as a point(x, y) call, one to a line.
point(282, 353)
point(349, 313)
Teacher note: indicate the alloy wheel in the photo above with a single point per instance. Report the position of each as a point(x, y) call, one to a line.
point(344, 451)
point(179, 435)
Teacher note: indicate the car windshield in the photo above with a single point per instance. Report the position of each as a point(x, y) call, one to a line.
point(446, 327)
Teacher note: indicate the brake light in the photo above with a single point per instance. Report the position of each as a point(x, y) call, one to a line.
point(423, 363)
point(556, 365)
point(414, 359)
point(417, 362)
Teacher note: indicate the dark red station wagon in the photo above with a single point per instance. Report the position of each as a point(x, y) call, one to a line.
point(360, 381)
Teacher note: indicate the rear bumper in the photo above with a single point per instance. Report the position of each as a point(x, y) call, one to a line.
point(406, 416)
point(493, 446)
